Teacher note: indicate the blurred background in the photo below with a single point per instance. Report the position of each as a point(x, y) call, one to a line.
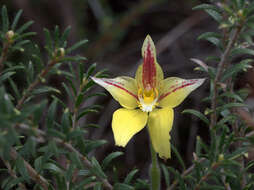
point(116, 30)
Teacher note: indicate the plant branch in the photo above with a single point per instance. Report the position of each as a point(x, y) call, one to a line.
point(33, 85)
point(186, 172)
point(42, 135)
point(4, 55)
point(13, 174)
point(37, 178)
point(221, 67)
point(207, 175)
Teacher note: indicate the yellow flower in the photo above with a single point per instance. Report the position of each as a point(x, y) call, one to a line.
point(153, 95)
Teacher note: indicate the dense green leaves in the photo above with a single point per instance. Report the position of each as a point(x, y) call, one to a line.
point(49, 125)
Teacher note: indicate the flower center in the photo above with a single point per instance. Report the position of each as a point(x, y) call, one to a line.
point(147, 98)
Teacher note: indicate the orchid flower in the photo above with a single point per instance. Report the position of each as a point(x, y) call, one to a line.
point(148, 99)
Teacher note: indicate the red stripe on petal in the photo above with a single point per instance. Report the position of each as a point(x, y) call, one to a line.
point(175, 88)
point(149, 68)
point(122, 88)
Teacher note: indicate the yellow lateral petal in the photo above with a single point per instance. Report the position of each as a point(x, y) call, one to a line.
point(160, 123)
point(126, 123)
point(123, 89)
point(174, 90)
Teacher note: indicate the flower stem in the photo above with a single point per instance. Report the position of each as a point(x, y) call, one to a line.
point(154, 170)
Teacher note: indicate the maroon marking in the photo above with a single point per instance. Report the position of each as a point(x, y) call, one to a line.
point(122, 88)
point(149, 68)
point(177, 88)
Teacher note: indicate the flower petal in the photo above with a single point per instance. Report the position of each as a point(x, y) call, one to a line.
point(127, 123)
point(174, 90)
point(160, 123)
point(123, 89)
point(149, 73)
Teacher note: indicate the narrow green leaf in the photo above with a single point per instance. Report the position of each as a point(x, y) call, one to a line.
point(56, 36)
point(166, 174)
point(51, 114)
point(91, 145)
point(24, 27)
point(70, 94)
point(205, 6)
point(130, 176)
point(49, 42)
point(97, 168)
point(109, 159)
point(229, 106)
point(241, 51)
point(81, 72)
point(22, 168)
point(38, 164)
point(86, 111)
point(233, 96)
point(198, 114)
point(54, 168)
point(96, 94)
point(56, 133)
point(90, 70)
point(214, 14)
point(179, 177)
point(98, 186)
point(13, 182)
point(121, 186)
point(72, 135)
point(84, 182)
point(14, 88)
point(25, 35)
point(236, 68)
point(75, 46)
point(16, 19)
point(64, 36)
point(45, 89)
point(5, 20)
point(79, 100)
point(6, 76)
point(178, 156)
point(70, 172)
point(211, 37)
point(76, 160)
point(208, 35)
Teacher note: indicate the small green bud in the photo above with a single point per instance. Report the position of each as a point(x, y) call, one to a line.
point(221, 157)
point(17, 112)
point(240, 13)
point(9, 36)
point(62, 52)
point(84, 80)
point(231, 20)
point(59, 53)
point(223, 25)
point(43, 80)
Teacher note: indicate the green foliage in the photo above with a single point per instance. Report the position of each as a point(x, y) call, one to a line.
point(45, 145)
point(30, 154)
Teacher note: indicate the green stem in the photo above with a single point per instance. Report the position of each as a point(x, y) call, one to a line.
point(154, 170)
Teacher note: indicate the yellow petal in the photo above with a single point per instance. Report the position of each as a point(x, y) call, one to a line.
point(149, 72)
point(160, 123)
point(174, 90)
point(127, 123)
point(123, 89)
